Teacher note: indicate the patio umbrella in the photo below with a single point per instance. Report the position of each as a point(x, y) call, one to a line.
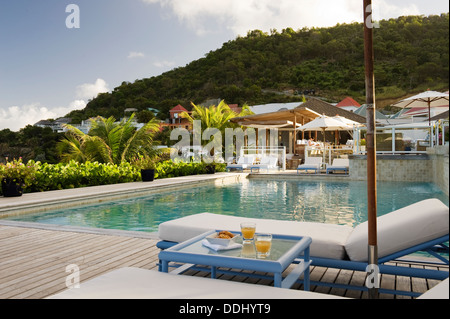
point(427, 99)
point(347, 121)
point(326, 123)
point(352, 124)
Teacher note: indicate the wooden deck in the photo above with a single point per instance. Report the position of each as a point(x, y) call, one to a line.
point(33, 263)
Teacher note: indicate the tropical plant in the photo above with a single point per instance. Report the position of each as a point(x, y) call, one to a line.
point(144, 162)
point(215, 116)
point(18, 172)
point(109, 141)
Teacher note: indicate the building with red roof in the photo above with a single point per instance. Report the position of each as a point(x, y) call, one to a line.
point(349, 104)
point(175, 120)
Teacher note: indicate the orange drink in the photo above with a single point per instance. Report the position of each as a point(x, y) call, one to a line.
point(263, 245)
point(248, 231)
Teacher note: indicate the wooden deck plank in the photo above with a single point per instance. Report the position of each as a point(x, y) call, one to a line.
point(358, 279)
point(74, 248)
point(88, 271)
point(88, 265)
point(50, 249)
point(33, 264)
point(49, 264)
point(343, 278)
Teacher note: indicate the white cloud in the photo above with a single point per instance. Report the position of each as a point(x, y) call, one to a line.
point(164, 64)
point(17, 117)
point(89, 91)
point(134, 55)
point(241, 16)
point(387, 10)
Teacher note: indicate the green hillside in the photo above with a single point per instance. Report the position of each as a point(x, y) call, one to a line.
point(411, 55)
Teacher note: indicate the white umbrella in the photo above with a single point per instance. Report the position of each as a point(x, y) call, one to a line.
point(347, 121)
point(426, 99)
point(326, 123)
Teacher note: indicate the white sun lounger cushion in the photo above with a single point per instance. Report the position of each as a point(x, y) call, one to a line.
point(136, 283)
point(328, 240)
point(440, 291)
point(401, 229)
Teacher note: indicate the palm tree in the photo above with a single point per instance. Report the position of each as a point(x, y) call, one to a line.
point(108, 141)
point(215, 116)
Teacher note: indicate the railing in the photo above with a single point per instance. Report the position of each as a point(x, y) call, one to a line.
point(411, 138)
point(443, 138)
point(328, 152)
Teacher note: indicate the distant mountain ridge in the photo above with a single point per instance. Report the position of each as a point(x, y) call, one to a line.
point(411, 55)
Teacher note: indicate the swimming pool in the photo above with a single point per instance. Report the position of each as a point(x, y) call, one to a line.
point(333, 202)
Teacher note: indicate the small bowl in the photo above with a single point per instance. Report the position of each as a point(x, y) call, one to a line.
point(220, 241)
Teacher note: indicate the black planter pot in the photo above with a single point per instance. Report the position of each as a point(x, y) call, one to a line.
point(11, 187)
point(148, 175)
point(210, 169)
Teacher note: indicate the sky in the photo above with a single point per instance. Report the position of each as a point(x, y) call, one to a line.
point(55, 57)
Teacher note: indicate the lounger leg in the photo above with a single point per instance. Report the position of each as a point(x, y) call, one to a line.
point(306, 277)
point(164, 266)
point(277, 280)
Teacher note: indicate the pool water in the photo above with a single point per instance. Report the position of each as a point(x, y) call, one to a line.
point(342, 203)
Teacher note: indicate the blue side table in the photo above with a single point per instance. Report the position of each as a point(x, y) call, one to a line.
point(285, 251)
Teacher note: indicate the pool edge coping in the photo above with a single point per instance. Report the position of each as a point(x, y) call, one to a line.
point(59, 199)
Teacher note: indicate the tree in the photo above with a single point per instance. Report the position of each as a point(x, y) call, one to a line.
point(109, 141)
point(215, 116)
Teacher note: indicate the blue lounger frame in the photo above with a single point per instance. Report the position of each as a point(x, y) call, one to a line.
point(306, 169)
point(331, 169)
point(433, 247)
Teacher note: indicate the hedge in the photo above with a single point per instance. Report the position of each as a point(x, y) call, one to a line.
point(49, 177)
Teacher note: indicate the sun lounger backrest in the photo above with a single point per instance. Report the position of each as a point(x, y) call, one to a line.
point(313, 160)
point(341, 162)
point(265, 160)
point(273, 161)
point(269, 160)
point(401, 229)
point(249, 159)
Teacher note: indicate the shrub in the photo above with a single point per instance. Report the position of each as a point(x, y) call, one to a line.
point(47, 177)
point(19, 172)
point(76, 175)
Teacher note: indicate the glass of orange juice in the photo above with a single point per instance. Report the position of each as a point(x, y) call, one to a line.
point(248, 231)
point(263, 244)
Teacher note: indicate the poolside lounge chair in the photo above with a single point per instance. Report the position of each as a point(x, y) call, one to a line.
point(417, 227)
point(137, 283)
point(339, 164)
point(243, 163)
point(267, 162)
point(311, 164)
